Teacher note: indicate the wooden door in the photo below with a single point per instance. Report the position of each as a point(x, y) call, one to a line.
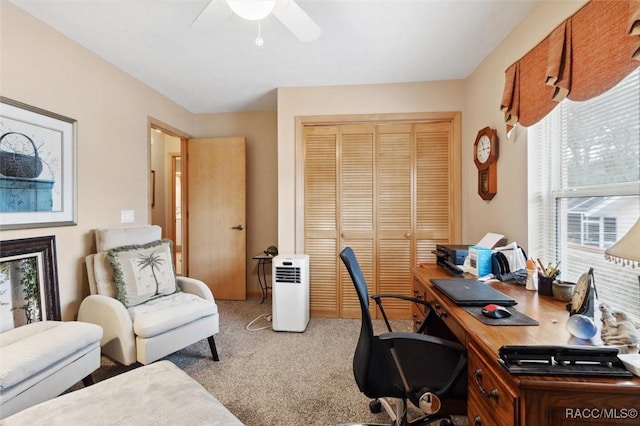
point(320, 218)
point(388, 190)
point(435, 200)
point(357, 218)
point(216, 214)
point(394, 176)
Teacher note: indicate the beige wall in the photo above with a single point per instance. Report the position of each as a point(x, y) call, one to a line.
point(259, 129)
point(345, 100)
point(507, 212)
point(478, 98)
point(41, 67)
point(262, 164)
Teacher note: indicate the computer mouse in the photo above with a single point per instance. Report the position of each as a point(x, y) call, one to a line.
point(495, 311)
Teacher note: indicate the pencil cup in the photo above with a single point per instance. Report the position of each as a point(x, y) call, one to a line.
point(545, 285)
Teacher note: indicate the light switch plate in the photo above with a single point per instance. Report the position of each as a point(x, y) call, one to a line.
point(127, 216)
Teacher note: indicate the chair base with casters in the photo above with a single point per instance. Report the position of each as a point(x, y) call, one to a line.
point(398, 411)
point(396, 368)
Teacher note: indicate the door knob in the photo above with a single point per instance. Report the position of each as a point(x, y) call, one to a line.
point(239, 227)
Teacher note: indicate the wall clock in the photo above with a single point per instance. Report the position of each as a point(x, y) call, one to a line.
point(485, 155)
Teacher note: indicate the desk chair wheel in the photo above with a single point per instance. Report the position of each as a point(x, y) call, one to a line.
point(375, 406)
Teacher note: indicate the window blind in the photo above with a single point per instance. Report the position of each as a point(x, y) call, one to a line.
point(584, 188)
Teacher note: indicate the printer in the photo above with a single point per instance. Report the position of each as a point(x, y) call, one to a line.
point(449, 256)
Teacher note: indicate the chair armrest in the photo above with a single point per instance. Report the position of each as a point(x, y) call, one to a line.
point(118, 340)
point(377, 297)
point(108, 313)
point(194, 286)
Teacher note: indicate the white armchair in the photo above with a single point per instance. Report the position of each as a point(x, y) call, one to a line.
point(142, 330)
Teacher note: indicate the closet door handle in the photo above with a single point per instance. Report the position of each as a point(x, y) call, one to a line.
point(238, 227)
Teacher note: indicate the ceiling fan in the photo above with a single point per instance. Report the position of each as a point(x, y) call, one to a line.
point(286, 11)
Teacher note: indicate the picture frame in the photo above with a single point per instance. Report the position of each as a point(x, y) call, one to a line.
point(38, 167)
point(28, 282)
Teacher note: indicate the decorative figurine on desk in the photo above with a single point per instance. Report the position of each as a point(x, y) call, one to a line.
point(617, 328)
point(581, 326)
point(606, 316)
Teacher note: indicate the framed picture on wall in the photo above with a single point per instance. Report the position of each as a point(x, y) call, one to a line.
point(28, 282)
point(37, 167)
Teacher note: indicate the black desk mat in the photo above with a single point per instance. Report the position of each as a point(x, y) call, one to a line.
point(516, 318)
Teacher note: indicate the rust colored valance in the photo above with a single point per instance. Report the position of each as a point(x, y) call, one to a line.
point(583, 57)
point(634, 18)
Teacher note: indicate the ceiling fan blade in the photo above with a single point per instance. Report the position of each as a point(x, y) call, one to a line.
point(212, 14)
point(296, 20)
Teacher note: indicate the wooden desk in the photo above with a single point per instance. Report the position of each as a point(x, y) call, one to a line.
point(498, 398)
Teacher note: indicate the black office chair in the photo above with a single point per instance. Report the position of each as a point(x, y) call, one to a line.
point(423, 369)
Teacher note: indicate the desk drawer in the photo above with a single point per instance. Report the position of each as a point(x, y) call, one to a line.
point(491, 401)
point(418, 310)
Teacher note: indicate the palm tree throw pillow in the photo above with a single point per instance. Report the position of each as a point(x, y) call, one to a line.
point(143, 272)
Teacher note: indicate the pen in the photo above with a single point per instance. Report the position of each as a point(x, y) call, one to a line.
point(544, 270)
point(554, 270)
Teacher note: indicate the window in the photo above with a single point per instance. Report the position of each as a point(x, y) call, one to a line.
point(584, 188)
point(586, 228)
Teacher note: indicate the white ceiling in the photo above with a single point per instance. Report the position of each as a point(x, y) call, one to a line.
point(215, 66)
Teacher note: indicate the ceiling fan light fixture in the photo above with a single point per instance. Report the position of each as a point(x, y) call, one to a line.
point(252, 10)
point(259, 39)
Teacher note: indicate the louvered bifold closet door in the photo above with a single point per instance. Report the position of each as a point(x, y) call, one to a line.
point(356, 201)
point(433, 197)
point(383, 189)
point(394, 206)
point(320, 218)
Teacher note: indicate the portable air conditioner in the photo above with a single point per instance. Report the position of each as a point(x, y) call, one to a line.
point(290, 292)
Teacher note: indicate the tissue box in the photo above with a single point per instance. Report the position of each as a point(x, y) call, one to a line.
point(479, 261)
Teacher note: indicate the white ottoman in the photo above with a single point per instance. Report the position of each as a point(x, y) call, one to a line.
point(155, 394)
point(39, 361)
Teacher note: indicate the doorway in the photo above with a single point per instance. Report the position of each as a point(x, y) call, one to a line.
point(198, 197)
point(166, 191)
point(176, 209)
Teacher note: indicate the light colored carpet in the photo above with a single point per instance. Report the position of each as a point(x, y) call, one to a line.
point(269, 378)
